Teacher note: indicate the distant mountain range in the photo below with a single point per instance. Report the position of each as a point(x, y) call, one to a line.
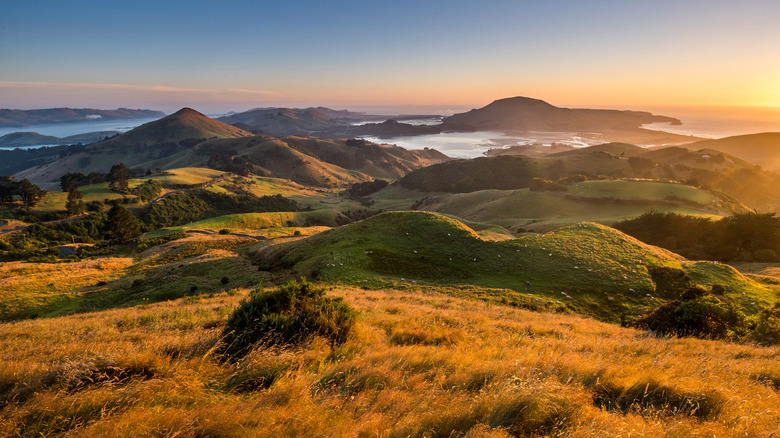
point(320, 122)
point(12, 118)
point(515, 114)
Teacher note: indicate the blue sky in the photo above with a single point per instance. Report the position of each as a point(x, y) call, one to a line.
point(242, 54)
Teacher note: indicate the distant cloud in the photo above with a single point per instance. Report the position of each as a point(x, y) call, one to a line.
point(147, 88)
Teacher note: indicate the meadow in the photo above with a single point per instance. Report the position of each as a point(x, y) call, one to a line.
point(417, 364)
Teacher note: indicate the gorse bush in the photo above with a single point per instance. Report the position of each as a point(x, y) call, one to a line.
point(697, 313)
point(767, 330)
point(288, 315)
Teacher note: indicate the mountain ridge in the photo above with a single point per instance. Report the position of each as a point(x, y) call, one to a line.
point(15, 118)
point(528, 114)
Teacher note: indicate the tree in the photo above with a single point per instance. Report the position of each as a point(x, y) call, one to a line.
point(118, 177)
point(8, 188)
point(30, 193)
point(71, 181)
point(75, 206)
point(121, 225)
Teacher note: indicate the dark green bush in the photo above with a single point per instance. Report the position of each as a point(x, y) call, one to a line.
point(698, 313)
point(767, 330)
point(288, 315)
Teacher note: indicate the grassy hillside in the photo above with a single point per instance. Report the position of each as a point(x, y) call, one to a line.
point(418, 364)
point(260, 224)
point(604, 202)
point(603, 271)
point(761, 149)
point(734, 178)
point(182, 125)
point(377, 160)
point(163, 272)
point(190, 139)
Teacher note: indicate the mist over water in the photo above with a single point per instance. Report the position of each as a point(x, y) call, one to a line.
point(719, 122)
point(706, 122)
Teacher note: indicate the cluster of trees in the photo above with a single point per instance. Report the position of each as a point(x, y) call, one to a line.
point(121, 225)
point(741, 237)
point(147, 191)
point(227, 161)
point(361, 189)
point(72, 181)
point(28, 192)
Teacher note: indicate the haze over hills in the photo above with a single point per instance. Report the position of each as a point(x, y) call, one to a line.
point(189, 138)
point(320, 121)
point(745, 182)
point(18, 139)
point(527, 114)
point(761, 148)
point(516, 114)
point(20, 118)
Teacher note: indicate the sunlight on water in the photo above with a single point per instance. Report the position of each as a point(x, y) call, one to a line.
point(475, 144)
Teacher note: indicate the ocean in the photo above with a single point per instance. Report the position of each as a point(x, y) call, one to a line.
point(705, 122)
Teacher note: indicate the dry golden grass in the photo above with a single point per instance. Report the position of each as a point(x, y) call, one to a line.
point(22, 284)
point(418, 364)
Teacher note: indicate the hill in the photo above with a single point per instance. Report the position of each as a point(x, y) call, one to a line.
point(746, 183)
point(291, 121)
point(190, 139)
point(605, 271)
point(18, 139)
point(524, 114)
point(185, 124)
point(527, 114)
point(323, 122)
point(604, 202)
point(376, 160)
point(21, 118)
point(761, 149)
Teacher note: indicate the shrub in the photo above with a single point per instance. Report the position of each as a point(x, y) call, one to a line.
point(697, 313)
point(224, 231)
point(288, 315)
point(767, 330)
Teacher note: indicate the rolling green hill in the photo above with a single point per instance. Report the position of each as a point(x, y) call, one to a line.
point(732, 177)
point(603, 271)
point(604, 202)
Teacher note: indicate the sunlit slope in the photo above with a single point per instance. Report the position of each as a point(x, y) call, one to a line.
point(762, 149)
point(198, 264)
point(605, 272)
point(603, 202)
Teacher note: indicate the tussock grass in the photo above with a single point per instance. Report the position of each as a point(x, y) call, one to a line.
point(151, 370)
point(26, 288)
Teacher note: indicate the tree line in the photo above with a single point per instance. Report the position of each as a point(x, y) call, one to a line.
point(744, 237)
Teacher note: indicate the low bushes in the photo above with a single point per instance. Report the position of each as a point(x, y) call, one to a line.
point(288, 315)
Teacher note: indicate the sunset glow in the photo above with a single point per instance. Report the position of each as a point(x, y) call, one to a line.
point(242, 55)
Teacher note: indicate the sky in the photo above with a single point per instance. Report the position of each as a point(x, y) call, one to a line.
point(439, 56)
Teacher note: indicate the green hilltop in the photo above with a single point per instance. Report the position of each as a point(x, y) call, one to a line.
point(603, 271)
